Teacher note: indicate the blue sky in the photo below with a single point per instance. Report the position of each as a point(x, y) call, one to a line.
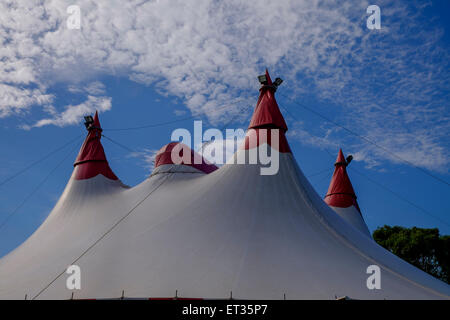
point(142, 63)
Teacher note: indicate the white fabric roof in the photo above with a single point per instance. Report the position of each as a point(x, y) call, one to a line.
point(353, 217)
point(204, 236)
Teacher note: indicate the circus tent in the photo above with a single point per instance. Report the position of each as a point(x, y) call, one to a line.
point(205, 232)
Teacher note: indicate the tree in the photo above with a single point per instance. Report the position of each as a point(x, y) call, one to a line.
point(423, 248)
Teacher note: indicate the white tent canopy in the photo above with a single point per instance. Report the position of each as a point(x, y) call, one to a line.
point(204, 235)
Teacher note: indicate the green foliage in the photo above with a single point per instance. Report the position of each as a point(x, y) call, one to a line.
point(424, 248)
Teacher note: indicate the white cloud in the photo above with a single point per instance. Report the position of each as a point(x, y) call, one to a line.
point(93, 88)
point(312, 138)
point(391, 85)
point(14, 100)
point(146, 157)
point(73, 113)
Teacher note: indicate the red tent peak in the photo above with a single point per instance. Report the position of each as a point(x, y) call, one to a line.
point(269, 80)
point(340, 192)
point(164, 156)
point(96, 123)
point(91, 159)
point(267, 113)
point(340, 160)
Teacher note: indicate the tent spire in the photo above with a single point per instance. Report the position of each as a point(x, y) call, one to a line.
point(342, 198)
point(91, 159)
point(267, 115)
point(340, 192)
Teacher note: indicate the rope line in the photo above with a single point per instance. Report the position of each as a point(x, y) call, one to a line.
point(400, 197)
point(154, 125)
point(160, 124)
point(39, 160)
point(118, 144)
point(319, 173)
point(104, 235)
point(366, 139)
point(28, 197)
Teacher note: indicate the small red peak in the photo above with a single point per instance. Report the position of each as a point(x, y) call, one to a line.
point(340, 160)
point(195, 160)
point(267, 114)
point(269, 80)
point(96, 121)
point(340, 192)
point(91, 159)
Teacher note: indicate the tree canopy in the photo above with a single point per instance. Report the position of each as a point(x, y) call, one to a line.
point(423, 248)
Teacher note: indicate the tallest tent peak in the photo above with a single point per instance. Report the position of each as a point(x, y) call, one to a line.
point(267, 120)
point(267, 113)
